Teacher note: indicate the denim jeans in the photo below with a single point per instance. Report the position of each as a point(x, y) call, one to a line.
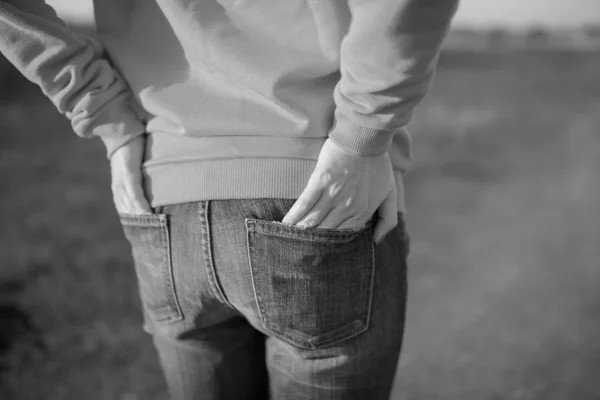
point(243, 306)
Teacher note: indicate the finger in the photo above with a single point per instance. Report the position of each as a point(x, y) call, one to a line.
point(119, 200)
point(388, 217)
point(309, 197)
point(321, 210)
point(339, 213)
point(126, 201)
point(138, 198)
point(352, 222)
point(343, 214)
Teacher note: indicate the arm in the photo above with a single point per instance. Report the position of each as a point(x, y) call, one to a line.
point(71, 69)
point(387, 62)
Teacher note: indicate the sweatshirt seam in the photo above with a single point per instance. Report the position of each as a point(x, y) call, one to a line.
point(320, 39)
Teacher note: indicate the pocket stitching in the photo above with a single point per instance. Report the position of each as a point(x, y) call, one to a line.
point(170, 281)
point(276, 228)
point(211, 272)
point(143, 220)
point(159, 221)
point(345, 332)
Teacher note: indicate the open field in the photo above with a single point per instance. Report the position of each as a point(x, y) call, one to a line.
point(503, 212)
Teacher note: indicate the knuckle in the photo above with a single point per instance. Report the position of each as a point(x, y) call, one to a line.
point(312, 217)
point(335, 189)
point(326, 177)
point(349, 202)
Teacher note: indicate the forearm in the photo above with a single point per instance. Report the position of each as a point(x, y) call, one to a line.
point(71, 69)
point(388, 59)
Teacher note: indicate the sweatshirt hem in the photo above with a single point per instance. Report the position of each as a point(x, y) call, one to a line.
point(239, 178)
point(227, 179)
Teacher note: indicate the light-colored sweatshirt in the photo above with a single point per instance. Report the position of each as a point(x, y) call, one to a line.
point(235, 98)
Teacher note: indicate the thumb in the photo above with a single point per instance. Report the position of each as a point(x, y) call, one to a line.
point(388, 216)
point(309, 197)
point(137, 199)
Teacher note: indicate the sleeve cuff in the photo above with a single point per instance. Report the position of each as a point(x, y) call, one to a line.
point(360, 139)
point(113, 143)
point(116, 126)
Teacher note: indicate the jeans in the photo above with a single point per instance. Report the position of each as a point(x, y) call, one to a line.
point(242, 306)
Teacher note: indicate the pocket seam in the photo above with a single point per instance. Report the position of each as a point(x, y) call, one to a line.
point(159, 221)
point(151, 220)
point(171, 276)
point(207, 250)
point(346, 332)
point(280, 229)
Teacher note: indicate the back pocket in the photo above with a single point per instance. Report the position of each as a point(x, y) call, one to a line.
point(148, 235)
point(313, 286)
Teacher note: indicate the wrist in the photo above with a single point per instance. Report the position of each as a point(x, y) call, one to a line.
point(114, 144)
point(130, 154)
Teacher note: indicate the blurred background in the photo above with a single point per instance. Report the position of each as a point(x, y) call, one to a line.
point(503, 213)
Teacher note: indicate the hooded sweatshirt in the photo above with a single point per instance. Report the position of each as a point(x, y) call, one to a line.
point(235, 98)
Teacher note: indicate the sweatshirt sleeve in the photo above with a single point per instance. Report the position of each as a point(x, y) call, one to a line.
point(71, 69)
point(387, 63)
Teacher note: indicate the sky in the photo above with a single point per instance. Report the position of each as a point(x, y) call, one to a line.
point(516, 13)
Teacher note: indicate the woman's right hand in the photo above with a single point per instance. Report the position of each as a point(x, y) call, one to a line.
point(126, 174)
point(345, 190)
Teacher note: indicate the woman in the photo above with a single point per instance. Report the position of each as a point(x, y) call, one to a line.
point(257, 149)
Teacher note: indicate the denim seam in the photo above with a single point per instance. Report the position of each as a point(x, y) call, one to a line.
point(343, 335)
point(143, 220)
point(211, 272)
point(371, 247)
point(304, 343)
point(261, 316)
point(312, 238)
point(168, 273)
point(251, 228)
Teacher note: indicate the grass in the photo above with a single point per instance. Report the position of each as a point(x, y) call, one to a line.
point(503, 212)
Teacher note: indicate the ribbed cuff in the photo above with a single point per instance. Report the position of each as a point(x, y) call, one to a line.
point(116, 125)
point(360, 139)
